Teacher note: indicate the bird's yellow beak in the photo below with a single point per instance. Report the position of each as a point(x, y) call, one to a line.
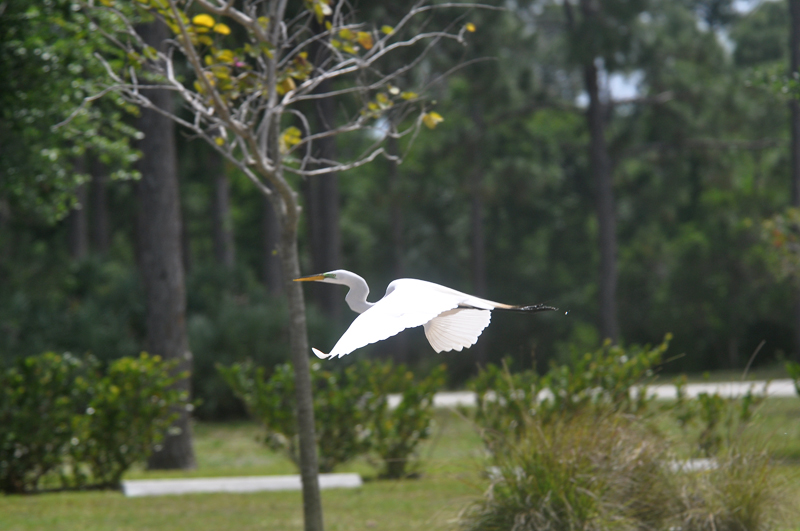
point(312, 277)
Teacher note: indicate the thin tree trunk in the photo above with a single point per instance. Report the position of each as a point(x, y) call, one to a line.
point(794, 108)
point(77, 222)
point(298, 339)
point(271, 230)
point(222, 231)
point(604, 204)
point(100, 231)
point(159, 235)
point(287, 210)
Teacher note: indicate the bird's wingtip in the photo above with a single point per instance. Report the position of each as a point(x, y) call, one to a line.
point(321, 355)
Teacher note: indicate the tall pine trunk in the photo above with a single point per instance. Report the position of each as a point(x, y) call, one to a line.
point(222, 224)
point(160, 257)
point(604, 205)
point(794, 108)
point(322, 199)
point(477, 236)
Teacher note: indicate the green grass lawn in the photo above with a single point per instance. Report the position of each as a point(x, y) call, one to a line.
point(451, 479)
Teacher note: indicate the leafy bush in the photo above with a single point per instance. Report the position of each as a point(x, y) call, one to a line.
point(793, 368)
point(602, 381)
point(710, 421)
point(69, 425)
point(350, 409)
point(130, 410)
point(398, 432)
point(39, 405)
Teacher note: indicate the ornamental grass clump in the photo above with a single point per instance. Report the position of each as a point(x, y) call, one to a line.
point(578, 449)
point(579, 473)
point(741, 494)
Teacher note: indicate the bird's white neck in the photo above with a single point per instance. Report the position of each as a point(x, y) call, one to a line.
point(356, 298)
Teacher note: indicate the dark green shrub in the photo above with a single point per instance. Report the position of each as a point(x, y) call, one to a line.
point(793, 368)
point(67, 424)
point(711, 422)
point(39, 405)
point(399, 431)
point(351, 412)
point(611, 379)
point(343, 406)
point(129, 411)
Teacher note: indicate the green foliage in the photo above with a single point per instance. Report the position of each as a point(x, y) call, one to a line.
point(573, 450)
point(398, 432)
point(350, 410)
point(781, 237)
point(793, 368)
point(130, 408)
point(593, 472)
point(39, 403)
point(67, 424)
point(741, 493)
point(713, 423)
point(610, 379)
point(47, 61)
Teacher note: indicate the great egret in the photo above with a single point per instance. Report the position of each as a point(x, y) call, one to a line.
point(452, 320)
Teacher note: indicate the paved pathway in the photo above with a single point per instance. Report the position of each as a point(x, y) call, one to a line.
point(784, 387)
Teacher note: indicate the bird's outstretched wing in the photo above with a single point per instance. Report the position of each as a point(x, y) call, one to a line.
point(397, 311)
point(456, 328)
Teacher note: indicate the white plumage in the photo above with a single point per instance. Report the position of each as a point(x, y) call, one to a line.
point(452, 320)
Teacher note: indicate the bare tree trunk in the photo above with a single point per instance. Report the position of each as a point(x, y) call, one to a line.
point(604, 203)
point(77, 222)
point(100, 231)
point(794, 108)
point(222, 231)
point(159, 235)
point(298, 339)
point(271, 229)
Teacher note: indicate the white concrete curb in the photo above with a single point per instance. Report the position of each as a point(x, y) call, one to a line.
point(160, 487)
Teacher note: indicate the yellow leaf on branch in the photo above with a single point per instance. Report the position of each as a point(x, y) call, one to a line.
point(203, 20)
point(290, 137)
point(365, 40)
point(222, 29)
point(432, 119)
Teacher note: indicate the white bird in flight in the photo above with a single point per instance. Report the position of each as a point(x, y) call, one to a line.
point(452, 320)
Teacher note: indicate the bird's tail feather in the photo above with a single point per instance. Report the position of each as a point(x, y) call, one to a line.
point(531, 309)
